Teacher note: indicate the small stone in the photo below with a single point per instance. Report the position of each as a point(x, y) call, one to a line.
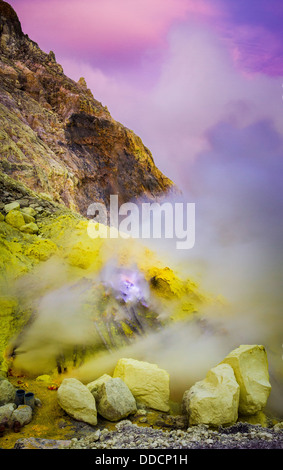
point(1, 217)
point(29, 211)
point(11, 206)
point(43, 378)
point(28, 218)
point(31, 228)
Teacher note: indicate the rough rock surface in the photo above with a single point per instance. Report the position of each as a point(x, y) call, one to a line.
point(77, 401)
point(6, 413)
point(214, 400)
point(22, 414)
point(148, 383)
point(58, 138)
point(7, 392)
point(36, 443)
point(115, 401)
point(131, 436)
point(95, 386)
point(250, 366)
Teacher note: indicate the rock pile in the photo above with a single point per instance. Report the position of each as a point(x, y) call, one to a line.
point(239, 385)
point(13, 415)
point(115, 398)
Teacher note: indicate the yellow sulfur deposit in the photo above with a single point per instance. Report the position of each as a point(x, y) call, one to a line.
point(250, 366)
point(148, 383)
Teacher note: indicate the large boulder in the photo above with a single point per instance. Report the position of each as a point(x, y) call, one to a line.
point(7, 392)
point(115, 401)
point(148, 383)
point(250, 366)
point(77, 401)
point(214, 400)
point(95, 386)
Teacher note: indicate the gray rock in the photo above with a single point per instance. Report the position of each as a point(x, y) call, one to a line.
point(12, 206)
point(23, 414)
point(115, 400)
point(6, 412)
point(36, 443)
point(7, 392)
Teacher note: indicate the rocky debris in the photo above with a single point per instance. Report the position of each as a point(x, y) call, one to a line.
point(77, 401)
point(95, 386)
point(131, 436)
point(148, 383)
point(7, 392)
point(214, 400)
point(37, 443)
point(250, 366)
point(115, 401)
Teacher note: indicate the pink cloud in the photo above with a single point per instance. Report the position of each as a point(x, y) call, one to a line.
point(108, 26)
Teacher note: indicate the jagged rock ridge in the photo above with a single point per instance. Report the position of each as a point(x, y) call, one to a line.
point(57, 138)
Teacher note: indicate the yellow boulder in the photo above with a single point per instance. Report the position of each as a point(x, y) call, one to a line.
point(15, 218)
point(214, 400)
point(148, 383)
point(250, 366)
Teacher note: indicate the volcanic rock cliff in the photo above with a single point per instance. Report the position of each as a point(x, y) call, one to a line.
point(57, 138)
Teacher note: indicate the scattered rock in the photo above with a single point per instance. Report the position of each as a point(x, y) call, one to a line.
point(44, 378)
point(15, 218)
point(29, 211)
point(30, 228)
point(95, 386)
point(250, 366)
point(28, 218)
point(35, 443)
point(114, 400)
point(77, 401)
point(213, 401)
point(148, 383)
point(12, 206)
point(1, 217)
point(7, 392)
point(23, 414)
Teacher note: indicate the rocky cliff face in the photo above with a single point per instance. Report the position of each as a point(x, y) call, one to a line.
point(57, 138)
